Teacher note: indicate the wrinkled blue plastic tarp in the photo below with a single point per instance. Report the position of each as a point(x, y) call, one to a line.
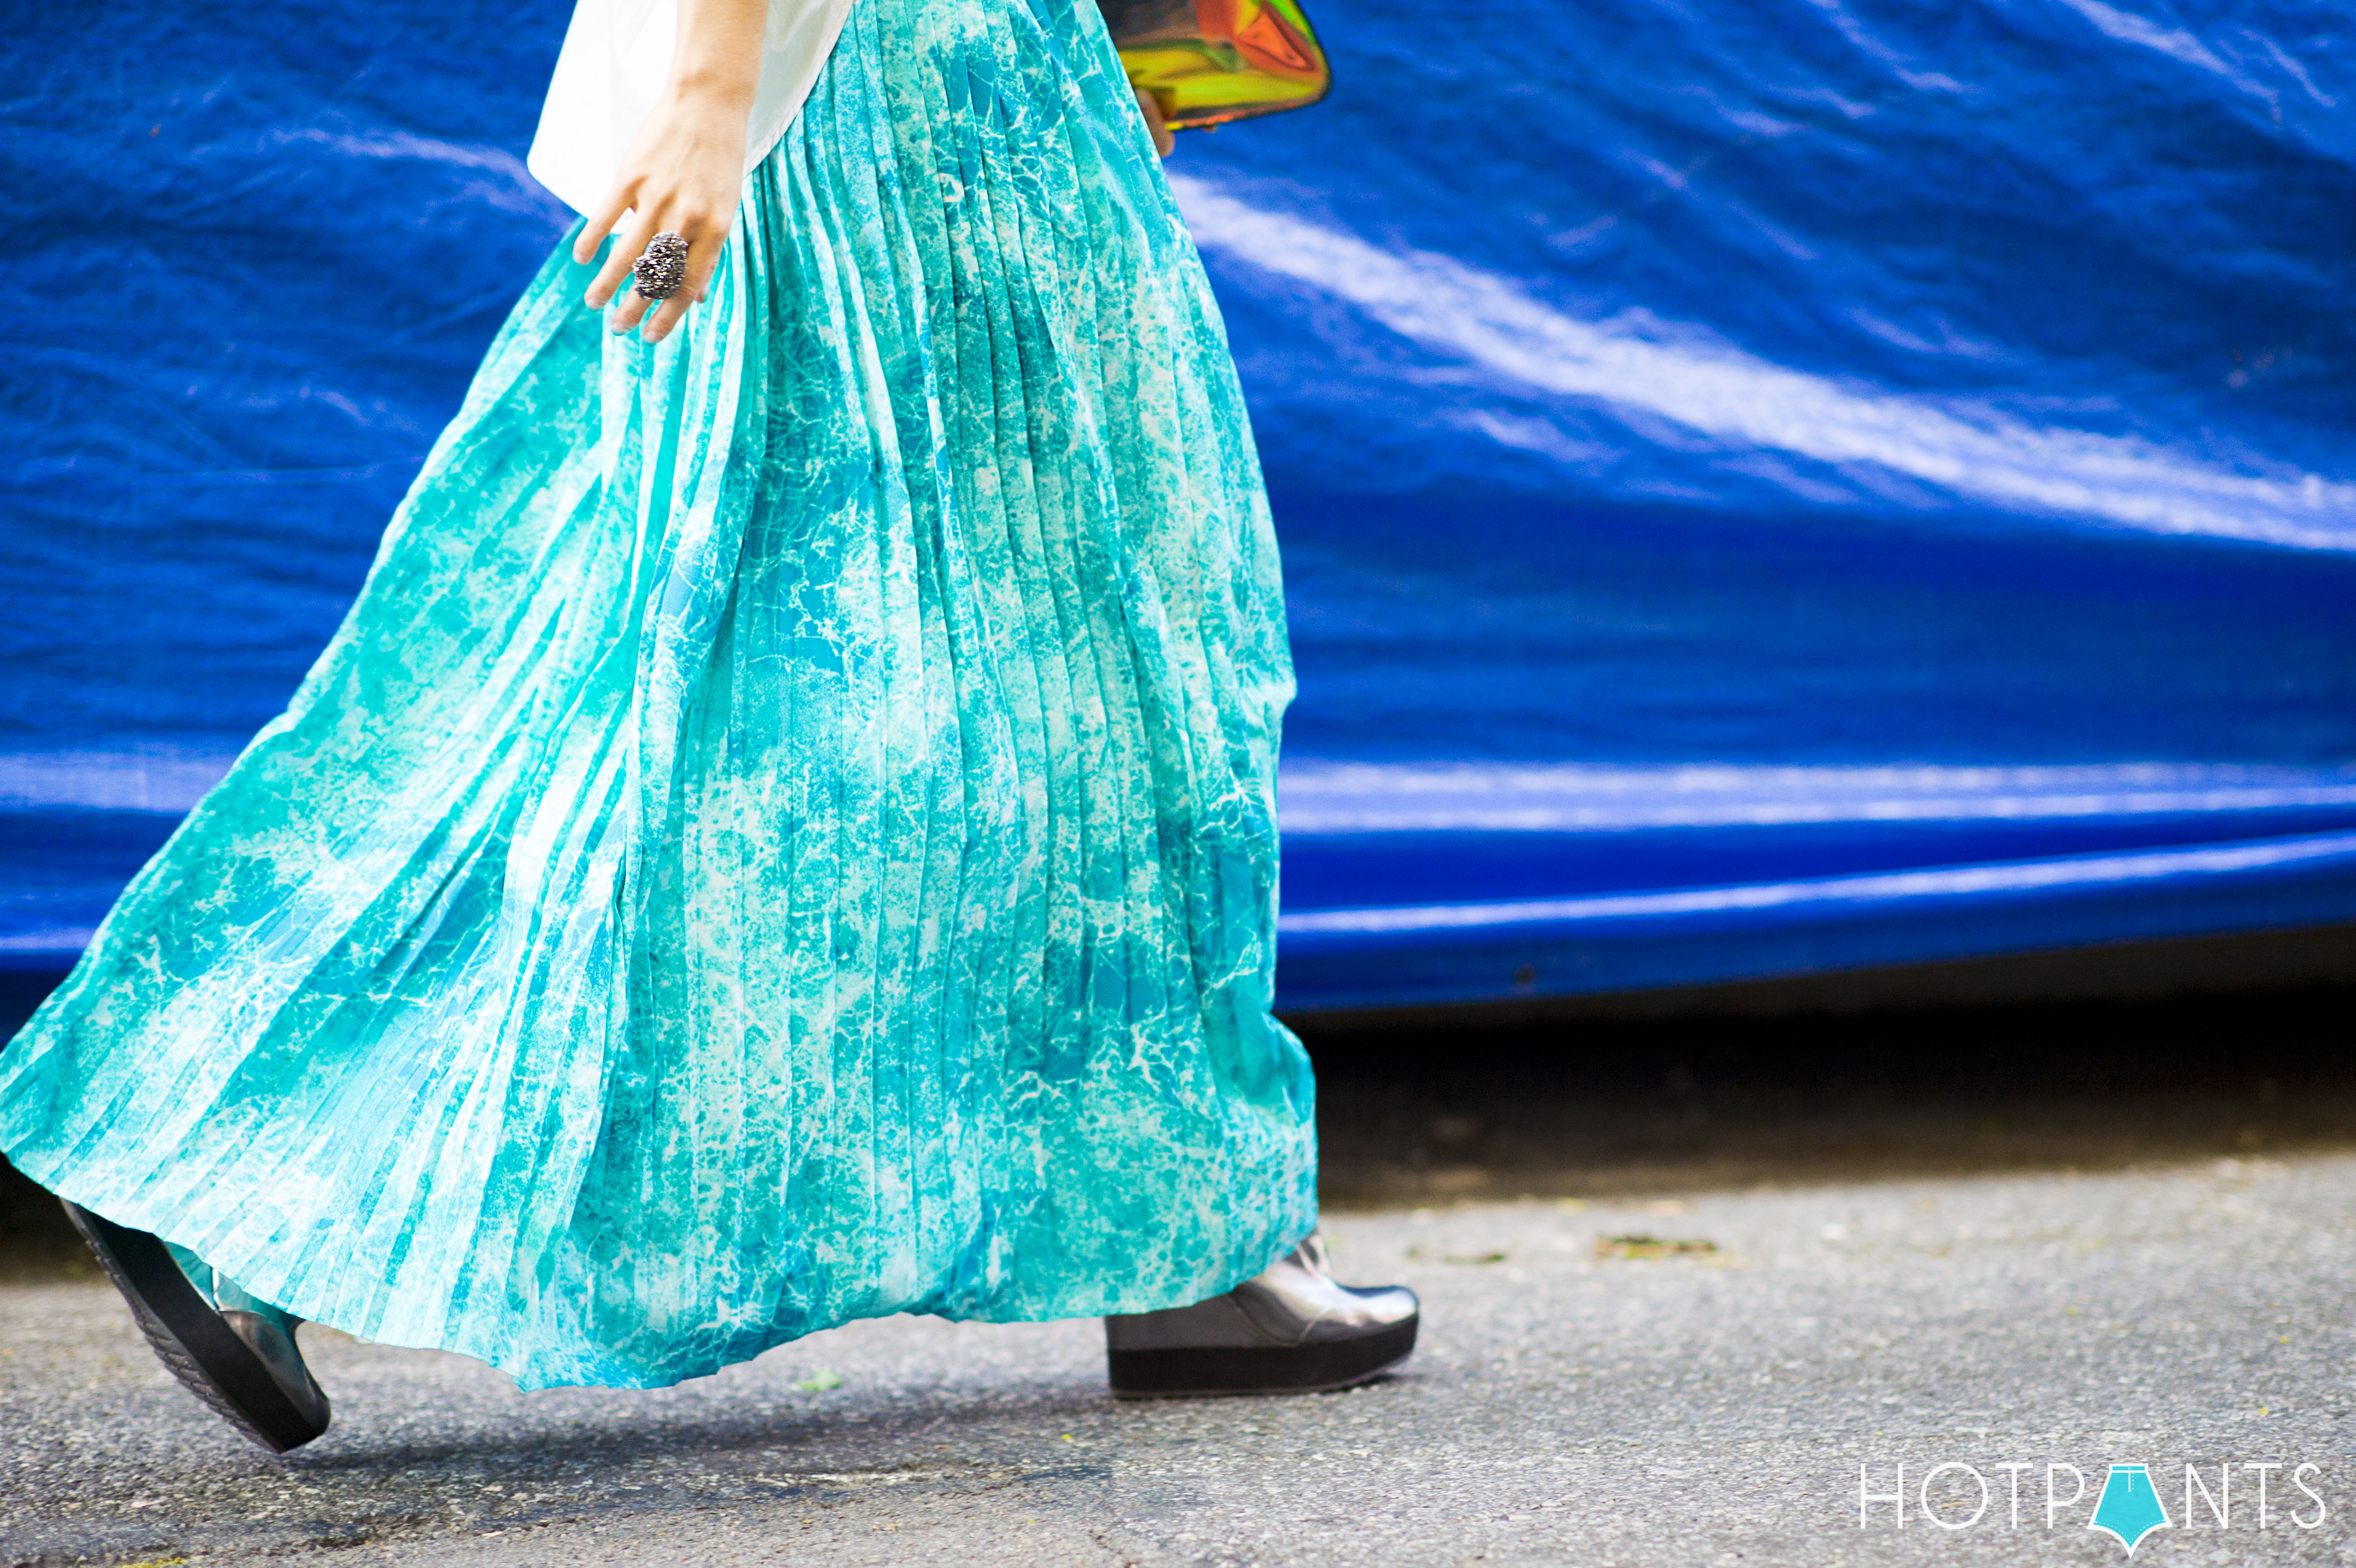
point(1767, 484)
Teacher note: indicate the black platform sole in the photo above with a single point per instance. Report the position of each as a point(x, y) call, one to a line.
point(1297, 1368)
point(190, 1337)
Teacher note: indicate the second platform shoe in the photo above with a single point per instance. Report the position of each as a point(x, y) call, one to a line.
point(235, 1353)
point(1289, 1330)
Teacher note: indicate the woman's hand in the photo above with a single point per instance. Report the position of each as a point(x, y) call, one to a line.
point(685, 171)
point(684, 174)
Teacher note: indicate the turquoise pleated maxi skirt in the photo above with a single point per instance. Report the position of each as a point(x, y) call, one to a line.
point(787, 833)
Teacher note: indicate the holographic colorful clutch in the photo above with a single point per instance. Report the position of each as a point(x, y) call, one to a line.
point(1209, 61)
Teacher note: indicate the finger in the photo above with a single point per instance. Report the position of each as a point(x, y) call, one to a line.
point(702, 255)
point(704, 244)
point(628, 311)
point(706, 238)
point(598, 224)
point(666, 317)
point(1156, 126)
point(614, 275)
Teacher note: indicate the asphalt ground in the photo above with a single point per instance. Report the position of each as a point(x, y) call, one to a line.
point(1683, 1283)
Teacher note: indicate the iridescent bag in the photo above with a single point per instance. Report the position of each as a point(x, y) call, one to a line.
point(1206, 63)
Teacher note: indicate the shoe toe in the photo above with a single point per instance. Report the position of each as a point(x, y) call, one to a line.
point(1364, 1310)
point(274, 1348)
point(1386, 1304)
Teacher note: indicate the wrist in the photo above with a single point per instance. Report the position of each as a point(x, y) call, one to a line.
point(713, 89)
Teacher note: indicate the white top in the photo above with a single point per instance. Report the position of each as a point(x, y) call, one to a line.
point(616, 58)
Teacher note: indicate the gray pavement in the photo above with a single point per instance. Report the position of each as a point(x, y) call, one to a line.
point(1702, 1408)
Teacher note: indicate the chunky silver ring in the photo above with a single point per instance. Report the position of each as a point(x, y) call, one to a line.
point(661, 272)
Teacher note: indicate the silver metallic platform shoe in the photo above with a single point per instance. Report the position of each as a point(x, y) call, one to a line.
point(1290, 1330)
point(242, 1362)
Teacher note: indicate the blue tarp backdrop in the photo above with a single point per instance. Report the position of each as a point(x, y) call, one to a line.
point(1766, 484)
